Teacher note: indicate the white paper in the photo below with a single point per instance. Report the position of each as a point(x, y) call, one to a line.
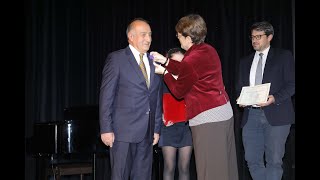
point(251, 95)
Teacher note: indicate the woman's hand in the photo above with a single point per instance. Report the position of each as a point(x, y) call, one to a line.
point(159, 69)
point(157, 57)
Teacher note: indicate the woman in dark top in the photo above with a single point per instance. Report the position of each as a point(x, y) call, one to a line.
point(175, 131)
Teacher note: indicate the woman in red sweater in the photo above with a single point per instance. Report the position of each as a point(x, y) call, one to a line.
point(208, 108)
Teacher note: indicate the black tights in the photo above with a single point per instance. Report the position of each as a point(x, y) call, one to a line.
point(169, 156)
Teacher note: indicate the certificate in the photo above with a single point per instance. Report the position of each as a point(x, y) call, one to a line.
point(251, 95)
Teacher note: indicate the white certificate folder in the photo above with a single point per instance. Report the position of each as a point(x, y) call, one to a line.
point(251, 95)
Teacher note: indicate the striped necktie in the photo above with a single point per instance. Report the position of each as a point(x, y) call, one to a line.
point(143, 69)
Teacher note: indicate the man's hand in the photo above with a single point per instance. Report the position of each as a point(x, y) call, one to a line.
point(270, 100)
point(108, 138)
point(156, 137)
point(240, 105)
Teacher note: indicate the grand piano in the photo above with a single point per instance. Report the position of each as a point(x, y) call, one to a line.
point(73, 146)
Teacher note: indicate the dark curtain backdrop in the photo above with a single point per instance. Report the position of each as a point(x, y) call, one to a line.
point(67, 41)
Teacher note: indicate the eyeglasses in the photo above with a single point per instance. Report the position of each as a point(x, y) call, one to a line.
point(257, 37)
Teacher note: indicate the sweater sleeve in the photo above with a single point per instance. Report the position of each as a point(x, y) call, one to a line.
point(187, 77)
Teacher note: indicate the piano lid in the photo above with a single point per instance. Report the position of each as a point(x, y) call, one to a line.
point(77, 133)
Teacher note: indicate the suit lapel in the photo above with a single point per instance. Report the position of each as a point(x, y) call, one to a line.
point(248, 67)
point(152, 69)
point(268, 66)
point(269, 61)
point(134, 64)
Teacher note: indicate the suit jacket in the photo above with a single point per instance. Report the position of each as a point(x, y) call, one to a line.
point(126, 104)
point(280, 72)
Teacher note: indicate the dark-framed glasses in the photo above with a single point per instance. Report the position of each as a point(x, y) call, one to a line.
point(257, 37)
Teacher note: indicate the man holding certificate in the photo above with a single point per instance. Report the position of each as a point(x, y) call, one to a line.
point(270, 73)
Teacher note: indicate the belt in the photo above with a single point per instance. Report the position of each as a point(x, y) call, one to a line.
point(252, 107)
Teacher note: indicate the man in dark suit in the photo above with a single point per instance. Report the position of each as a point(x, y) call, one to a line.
point(266, 125)
point(130, 106)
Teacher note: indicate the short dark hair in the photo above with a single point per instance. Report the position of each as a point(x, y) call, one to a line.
point(175, 50)
point(263, 26)
point(192, 25)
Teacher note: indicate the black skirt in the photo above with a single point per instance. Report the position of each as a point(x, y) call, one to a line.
point(177, 135)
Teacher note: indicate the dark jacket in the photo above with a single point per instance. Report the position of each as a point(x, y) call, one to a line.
point(280, 72)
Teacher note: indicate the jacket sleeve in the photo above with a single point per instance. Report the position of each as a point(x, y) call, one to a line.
point(110, 75)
